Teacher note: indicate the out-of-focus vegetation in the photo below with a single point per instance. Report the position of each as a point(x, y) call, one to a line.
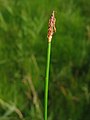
point(23, 43)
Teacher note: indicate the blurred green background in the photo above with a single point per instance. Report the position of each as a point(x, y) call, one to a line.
point(23, 48)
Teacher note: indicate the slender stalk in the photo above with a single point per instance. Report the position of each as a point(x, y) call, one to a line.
point(47, 80)
point(51, 31)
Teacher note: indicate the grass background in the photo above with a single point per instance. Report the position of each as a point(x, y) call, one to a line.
point(23, 47)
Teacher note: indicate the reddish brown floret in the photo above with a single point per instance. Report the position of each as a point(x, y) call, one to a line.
point(51, 27)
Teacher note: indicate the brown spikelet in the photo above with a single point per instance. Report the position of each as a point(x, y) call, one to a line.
point(51, 26)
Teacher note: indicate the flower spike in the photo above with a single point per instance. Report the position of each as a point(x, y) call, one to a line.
point(51, 26)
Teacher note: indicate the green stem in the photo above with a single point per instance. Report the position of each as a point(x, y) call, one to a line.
point(47, 80)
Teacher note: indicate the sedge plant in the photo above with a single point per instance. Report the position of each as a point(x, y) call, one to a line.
point(51, 30)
